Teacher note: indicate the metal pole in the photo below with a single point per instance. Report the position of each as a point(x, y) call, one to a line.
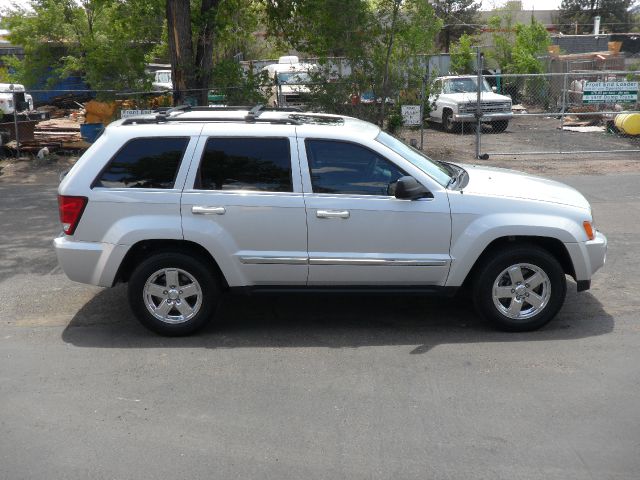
point(478, 105)
point(15, 119)
point(563, 111)
point(424, 81)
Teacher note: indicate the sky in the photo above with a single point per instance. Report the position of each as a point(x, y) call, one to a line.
point(486, 4)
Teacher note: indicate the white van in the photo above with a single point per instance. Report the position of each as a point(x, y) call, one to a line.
point(291, 80)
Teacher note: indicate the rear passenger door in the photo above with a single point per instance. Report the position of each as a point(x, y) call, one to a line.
point(243, 201)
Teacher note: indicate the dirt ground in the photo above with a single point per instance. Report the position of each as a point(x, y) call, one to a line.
point(523, 135)
point(534, 134)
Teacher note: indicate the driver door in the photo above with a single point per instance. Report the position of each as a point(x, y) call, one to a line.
point(358, 232)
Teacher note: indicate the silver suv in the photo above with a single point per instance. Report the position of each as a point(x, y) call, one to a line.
point(190, 203)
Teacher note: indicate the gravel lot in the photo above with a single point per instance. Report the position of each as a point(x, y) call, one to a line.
point(313, 387)
point(535, 134)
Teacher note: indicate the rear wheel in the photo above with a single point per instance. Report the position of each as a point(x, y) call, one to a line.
point(520, 289)
point(173, 294)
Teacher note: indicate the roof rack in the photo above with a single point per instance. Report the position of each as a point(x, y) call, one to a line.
point(162, 119)
point(164, 114)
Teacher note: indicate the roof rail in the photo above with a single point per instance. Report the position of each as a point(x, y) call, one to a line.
point(164, 115)
point(254, 113)
point(167, 119)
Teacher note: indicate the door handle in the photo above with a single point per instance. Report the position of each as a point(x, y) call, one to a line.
point(332, 213)
point(200, 210)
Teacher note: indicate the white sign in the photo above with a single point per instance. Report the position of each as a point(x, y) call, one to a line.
point(411, 115)
point(133, 113)
point(610, 92)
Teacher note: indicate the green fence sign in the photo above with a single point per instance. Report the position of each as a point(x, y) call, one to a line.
point(610, 92)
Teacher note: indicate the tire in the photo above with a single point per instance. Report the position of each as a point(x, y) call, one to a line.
point(499, 125)
point(447, 124)
point(166, 310)
point(504, 302)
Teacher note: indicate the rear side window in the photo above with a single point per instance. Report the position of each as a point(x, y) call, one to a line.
point(262, 164)
point(144, 163)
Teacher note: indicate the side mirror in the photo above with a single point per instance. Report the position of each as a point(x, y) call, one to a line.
point(408, 188)
point(494, 89)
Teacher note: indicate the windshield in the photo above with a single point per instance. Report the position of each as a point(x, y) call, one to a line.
point(293, 78)
point(464, 85)
point(430, 167)
point(164, 77)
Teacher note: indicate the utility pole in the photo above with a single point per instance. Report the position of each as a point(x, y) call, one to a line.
point(479, 58)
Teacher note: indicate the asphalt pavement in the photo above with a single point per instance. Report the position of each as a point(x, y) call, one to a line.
point(315, 387)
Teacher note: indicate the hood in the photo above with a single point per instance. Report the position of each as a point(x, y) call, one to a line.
point(473, 96)
point(294, 89)
point(501, 182)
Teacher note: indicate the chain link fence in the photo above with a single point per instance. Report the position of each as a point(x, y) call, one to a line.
point(579, 112)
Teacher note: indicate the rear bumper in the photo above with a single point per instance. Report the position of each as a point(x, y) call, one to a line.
point(94, 263)
point(486, 117)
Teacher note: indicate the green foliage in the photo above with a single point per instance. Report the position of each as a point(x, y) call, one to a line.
point(501, 27)
point(516, 48)
point(238, 87)
point(395, 121)
point(235, 24)
point(531, 42)
point(321, 27)
point(462, 55)
point(105, 40)
point(459, 17)
point(382, 47)
point(615, 15)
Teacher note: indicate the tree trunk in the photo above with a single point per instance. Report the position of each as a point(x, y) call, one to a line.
point(385, 78)
point(191, 71)
point(204, 49)
point(180, 49)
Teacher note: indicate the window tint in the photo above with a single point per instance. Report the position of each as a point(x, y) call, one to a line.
point(262, 164)
point(144, 163)
point(339, 167)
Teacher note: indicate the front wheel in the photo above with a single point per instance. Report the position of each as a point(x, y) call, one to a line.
point(173, 294)
point(448, 124)
point(499, 125)
point(520, 289)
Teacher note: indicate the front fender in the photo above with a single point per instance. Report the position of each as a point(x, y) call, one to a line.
point(472, 234)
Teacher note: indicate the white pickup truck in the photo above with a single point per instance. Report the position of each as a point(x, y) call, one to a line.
point(453, 101)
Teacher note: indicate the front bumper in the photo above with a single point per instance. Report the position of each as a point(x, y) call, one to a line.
point(486, 117)
point(587, 257)
point(94, 263)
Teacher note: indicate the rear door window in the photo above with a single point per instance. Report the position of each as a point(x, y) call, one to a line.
point(144, 163)
point(259, 164)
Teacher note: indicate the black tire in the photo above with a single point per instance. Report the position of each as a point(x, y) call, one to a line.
point(499, 125)
point(527, 259)
point(447, 124)
point(187, 268)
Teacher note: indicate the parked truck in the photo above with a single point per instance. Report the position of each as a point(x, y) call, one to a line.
point(291, 81)
point(453, 101)
point(14, 99)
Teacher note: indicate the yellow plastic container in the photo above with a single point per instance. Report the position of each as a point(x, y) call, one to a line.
point(628, 123)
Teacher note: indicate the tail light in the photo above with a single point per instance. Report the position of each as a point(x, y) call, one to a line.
point(71, 209)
